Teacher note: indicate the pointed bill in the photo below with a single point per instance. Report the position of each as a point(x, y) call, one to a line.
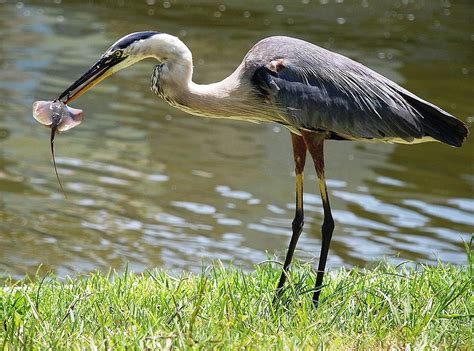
point(94, 75)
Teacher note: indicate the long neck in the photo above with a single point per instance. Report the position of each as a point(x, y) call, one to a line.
point(229, 98)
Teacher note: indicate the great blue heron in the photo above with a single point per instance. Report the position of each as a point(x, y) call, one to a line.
point(315, 93)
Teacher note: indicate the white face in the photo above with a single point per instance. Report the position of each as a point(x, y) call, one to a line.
point(128, 61)
point(161, 47)
point(138, 46)
point(133, 51)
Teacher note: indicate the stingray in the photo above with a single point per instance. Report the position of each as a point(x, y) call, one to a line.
point(59, 117)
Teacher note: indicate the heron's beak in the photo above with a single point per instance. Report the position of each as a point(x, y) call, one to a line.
point(98, 72)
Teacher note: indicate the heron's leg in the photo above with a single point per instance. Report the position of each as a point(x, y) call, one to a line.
point(299, 154)
point(315, 142)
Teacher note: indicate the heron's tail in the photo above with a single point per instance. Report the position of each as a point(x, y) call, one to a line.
point(437, 123)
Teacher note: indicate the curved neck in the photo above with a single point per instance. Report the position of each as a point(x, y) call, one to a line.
point(172, 80)
point(176, 57)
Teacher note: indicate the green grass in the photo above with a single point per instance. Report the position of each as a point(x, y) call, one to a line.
point(225, 308)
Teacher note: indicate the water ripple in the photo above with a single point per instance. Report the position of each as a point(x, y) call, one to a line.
point(195, 207)
point(441, 211)
point(399, 216)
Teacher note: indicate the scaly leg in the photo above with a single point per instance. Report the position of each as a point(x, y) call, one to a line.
point(315, 142)
point(299, 154)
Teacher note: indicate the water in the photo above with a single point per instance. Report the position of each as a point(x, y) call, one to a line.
point(151, 186)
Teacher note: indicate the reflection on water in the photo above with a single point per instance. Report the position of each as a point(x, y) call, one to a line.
point(151, 186)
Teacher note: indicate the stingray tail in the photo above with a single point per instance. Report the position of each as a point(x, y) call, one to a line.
point(53, 133)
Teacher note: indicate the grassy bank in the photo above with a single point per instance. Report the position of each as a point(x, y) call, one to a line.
point(225, 308)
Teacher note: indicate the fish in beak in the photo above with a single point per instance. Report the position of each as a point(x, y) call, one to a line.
point(98, 72)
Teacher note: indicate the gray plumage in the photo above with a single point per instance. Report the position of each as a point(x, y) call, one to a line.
point(319, 90)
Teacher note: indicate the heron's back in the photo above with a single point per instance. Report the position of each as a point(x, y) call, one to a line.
point(320, 90)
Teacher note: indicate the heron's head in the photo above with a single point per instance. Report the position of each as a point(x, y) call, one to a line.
point(125, 52)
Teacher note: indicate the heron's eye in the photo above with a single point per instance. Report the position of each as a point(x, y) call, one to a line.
point(117, 53)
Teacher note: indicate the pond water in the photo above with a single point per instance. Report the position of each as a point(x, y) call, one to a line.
point(150, 186)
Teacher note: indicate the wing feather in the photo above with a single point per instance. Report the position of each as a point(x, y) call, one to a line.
point(339, 103)
point(321, 90)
